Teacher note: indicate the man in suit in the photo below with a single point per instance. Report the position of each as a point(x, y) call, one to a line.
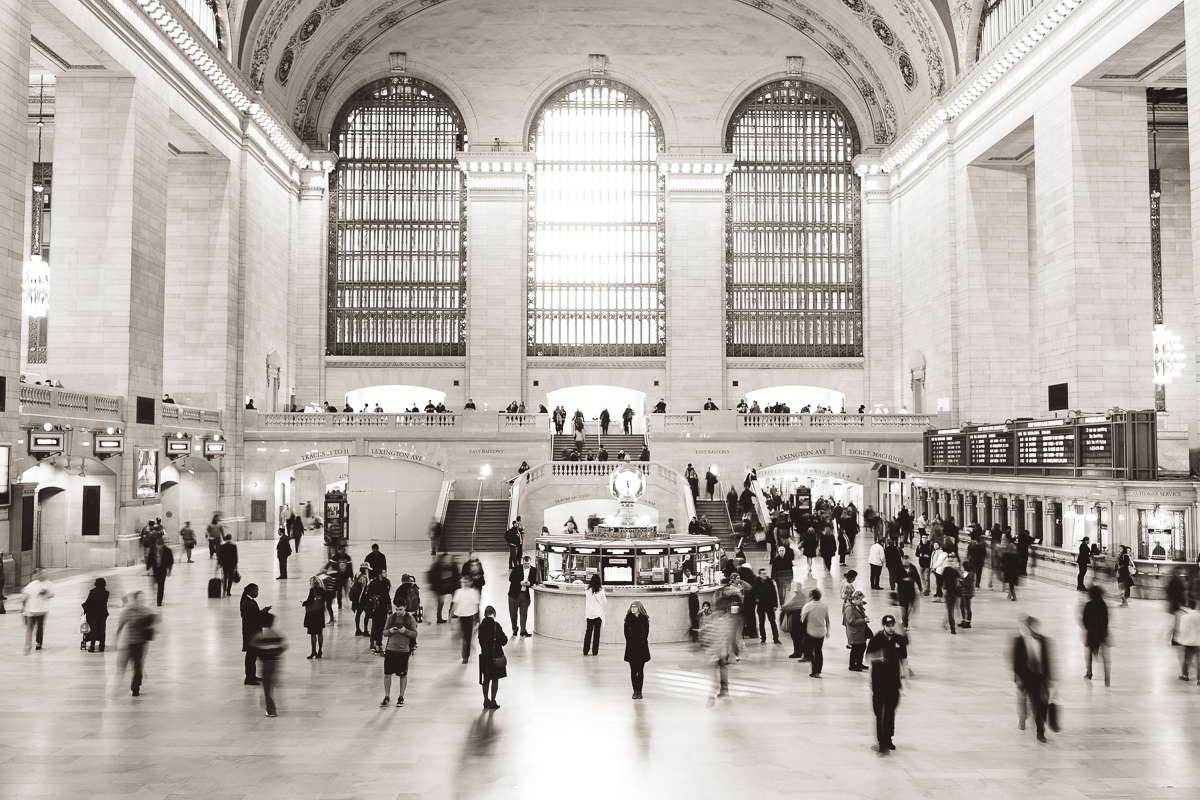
point(1032, 673)
point(520, 579)
point(227, 560)
point(512, 537)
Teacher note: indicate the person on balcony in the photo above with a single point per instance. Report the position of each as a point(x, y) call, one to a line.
point(627, 420)
point(742, 408)
point(250, 405)
point(661, 406)
point(710, 405)
point(645, 454)
point(602, 455)
point(605, 418)
point(754, 409)
point(167, 398)
point(470, 406)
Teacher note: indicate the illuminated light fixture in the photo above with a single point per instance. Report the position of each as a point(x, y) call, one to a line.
point(1002, 65)
point(35, 287)
point(1168, 355)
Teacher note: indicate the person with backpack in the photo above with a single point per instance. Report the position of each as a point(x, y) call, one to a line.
point(401, 632)
point(137, 625)
point(377, 605)
point(408, 596)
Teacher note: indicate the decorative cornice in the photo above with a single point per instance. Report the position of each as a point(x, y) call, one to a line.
point(1141, 73)
point(734, 363)
point(599, 363)
point(458, 363)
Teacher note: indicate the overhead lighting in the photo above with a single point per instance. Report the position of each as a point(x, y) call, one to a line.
point(1168, 355)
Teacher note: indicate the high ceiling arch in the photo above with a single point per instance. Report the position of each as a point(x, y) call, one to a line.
point(897, 54)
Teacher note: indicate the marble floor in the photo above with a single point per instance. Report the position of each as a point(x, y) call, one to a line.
point(567, 725)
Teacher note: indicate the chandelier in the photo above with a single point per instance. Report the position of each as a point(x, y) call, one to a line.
point(1168, 355)
point(35, 287)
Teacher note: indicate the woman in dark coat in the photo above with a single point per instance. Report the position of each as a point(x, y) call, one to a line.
point(1095, 626)
point(1012, 568)
point(491, 648)
point(314, 616)
point(637, 645)
point(95, 611)
point(1124, 574)
point(829, 548)
point(251, 626)
point(895, 565)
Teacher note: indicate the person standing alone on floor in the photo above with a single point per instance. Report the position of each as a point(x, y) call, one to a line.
point(227, 560)
point(283, 549)
point(887, 650)
point(815, 619)
point(95, 611)
point(36, 598)
point(594, 603)
point(520, 579)
point(1094, 621)
point(188, 537)
point(637, 645)
point(875, 558)
point(252, 625)
point(215, 533)
point(1083, 560)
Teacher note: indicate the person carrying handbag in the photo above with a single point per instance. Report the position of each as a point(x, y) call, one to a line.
point(493, 665)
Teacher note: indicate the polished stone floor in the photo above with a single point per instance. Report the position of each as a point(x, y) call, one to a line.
point(567, 725)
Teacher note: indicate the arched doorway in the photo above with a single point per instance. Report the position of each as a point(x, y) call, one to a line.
point(591, 400)
point(394, 399)
point(797, 397)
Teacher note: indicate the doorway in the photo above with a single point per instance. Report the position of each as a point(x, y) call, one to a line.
point(591, 400)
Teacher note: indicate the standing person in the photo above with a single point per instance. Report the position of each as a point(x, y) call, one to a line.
point(314, 616)
point(829, 548)
point(1083, 560)
point(465, 606)
point(710, 483)
point(435, 527)
point(810, 544)
point(966, 592)
point(843, 545)
point(766, 598)
point(815, 619)
point(627, 421)
point(887, 650)
point(216, 534)
point(1011, 560)
point(188, 537)
point(95, 611)
point(377, 605)
point(493, 665)
point(977, 553)
point(924, 554)
point(252, 625)
point(594, 603)
point(693, 479)
point(875, 558)
point(637, 645)
point(269, 645)
point(159, 563)
point(227, 562)
point(1094, 621)
point(36, 599)
point(854, 617)
point(358, 599)
point(283, 549)
point(908, 589)
point(520, 579)
point(893, 562)
point(137, 622)
point(512, 537)
point(1024, 540)
point(605, 419)
point(1125, 571)
point(950, 579)
point(1032, 672)
point(401, 631)
point(296, 528)
point(376, 560)
point(937, 564)
point(343, 567)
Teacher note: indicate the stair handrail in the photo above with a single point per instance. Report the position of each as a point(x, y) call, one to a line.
point(475, 522)
point(443, 503)
point(760, 504)
point(514, 496)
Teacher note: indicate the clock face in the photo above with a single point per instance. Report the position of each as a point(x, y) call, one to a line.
point(627, 484)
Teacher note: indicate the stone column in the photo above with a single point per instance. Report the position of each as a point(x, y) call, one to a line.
point(695, 279)
point(14, 138)
point(943, 503)
point(108, 280)
point(879, 300)
point(497, 278)
point(1030, 520)
point(1192, 37)
point(1094, 313)
point(309, 285)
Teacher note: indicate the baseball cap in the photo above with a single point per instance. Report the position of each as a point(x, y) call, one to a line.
point(888, 619)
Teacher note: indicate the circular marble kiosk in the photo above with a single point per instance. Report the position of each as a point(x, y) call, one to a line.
point(634, 562)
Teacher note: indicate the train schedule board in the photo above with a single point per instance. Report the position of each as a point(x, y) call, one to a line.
point(1120, 444)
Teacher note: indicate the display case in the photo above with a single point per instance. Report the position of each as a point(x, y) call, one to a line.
point(662, 563)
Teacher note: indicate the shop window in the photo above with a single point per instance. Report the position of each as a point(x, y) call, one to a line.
point(1162, 535)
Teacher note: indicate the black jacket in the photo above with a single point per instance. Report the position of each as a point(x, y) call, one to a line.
point(96, 605)
point(1033, 679)
point(227, 556)
point(376, 560)
point(637, 638)
point(518, 574)
point(251, 620)
point(283, 548)
point(781, 565)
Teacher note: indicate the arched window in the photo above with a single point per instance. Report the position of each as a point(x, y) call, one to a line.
point(793, 239)
point(397, 238)
point(597, 246)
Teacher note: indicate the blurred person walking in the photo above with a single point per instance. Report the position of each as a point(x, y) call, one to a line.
point(977, 553)
point(95, 613)
point(188, 537)
point(594, 603)
point(887, 651)
point(908, 589)
point(215, 532)
point(465, 606)
point(893, 562)
point(1187, 636)
point(159, 562)
point(637, 645)
point(252, 625)
point(36, 599)
point(1012, 568)
point(443, 580)
point(137, 623)
point(493, 664)
point(1033, 673)
point(1094, 621)
point(270, 645)
point(717, 638)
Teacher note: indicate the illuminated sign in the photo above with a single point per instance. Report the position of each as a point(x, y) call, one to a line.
point(41, 442)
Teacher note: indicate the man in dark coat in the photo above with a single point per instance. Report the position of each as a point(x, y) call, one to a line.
point(887, 651)
point(1083, 560)
point(627, 420)
point(512, 537)
point(227, 560)
point(376, 560)
point(283, 549)
point(710, 483)
point(296, 529)
point(159, 562)
point(605, 418)
point(252, 624)
point(893, 562)
point(977, 553)
point(766, 598)
point(1032, 671)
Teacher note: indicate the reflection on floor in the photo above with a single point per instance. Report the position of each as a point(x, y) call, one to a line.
point(567, 724)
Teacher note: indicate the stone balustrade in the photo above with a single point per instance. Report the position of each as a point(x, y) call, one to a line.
point(190, 416)
point(729, 422)
point(47, 401)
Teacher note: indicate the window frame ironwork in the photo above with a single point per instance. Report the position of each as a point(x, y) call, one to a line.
point(848, 318)
point(657, 315)
point(437, 318)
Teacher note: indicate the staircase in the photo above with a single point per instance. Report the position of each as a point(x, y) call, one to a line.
point(613, 443)
point(718, 516)
point(489, 532)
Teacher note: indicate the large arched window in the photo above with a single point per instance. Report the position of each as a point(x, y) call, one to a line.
point(597, 247)
point(397, 239)
point(793, 238)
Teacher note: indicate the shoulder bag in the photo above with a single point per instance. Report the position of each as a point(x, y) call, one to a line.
point(498, 661)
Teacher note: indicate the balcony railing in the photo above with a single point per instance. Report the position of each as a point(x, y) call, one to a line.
point(50, 402)
point(364, 421)
point(190, 416)
point(526, 422)
point(999, 19)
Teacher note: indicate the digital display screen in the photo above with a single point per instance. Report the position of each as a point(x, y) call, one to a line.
point(109, 444)
point(616, 574)
point(1046, 448)
point(946, 451)
point(1096, 446)
point(178, 447)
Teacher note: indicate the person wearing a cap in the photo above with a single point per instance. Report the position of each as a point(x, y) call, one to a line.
point(887, 651)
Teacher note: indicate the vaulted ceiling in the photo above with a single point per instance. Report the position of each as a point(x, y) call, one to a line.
point(894, 56)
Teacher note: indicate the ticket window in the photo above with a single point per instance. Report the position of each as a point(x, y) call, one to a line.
point(653, 569)
point(1162, 534)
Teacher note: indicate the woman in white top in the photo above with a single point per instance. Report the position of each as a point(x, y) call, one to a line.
point(594, 601)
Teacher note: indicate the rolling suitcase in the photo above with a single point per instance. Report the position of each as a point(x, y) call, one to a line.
point(214, 587)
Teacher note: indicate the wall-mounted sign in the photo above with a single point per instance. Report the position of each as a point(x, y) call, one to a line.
point(146, 478)
point(45, 442)
point(214, 449)
point(105, 445)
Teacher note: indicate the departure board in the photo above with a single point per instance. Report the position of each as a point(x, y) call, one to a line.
point(1096, 446)
point(1118, 444)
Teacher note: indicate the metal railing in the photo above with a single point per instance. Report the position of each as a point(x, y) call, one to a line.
point(363, 421)
point(999, 19)
point(918, 422)
point(49, 401)
point(541, 473)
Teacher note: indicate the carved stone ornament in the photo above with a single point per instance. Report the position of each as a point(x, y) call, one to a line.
point(598, 63)
point(795, 65)
point(398, 62)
